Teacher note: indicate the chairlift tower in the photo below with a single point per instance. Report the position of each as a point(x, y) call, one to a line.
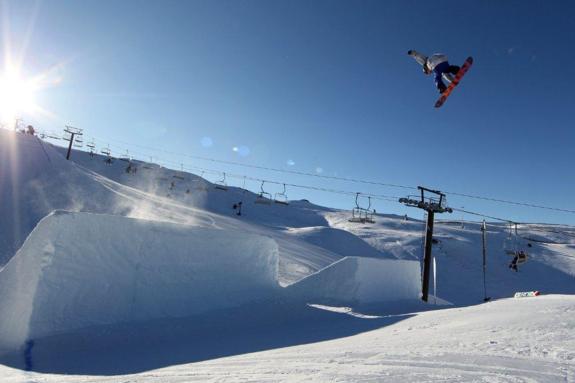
point(431, 205)
point(72, 132)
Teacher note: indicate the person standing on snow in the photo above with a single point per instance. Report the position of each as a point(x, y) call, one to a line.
point(438, 64)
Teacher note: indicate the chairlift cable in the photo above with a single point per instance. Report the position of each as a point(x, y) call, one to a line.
point(244, 177)
point(375, 196)
point(483, 215)
point(355, 180)
point(511, 202)
point(347, 179)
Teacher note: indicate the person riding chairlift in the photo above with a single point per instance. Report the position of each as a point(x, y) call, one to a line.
point(519, 257)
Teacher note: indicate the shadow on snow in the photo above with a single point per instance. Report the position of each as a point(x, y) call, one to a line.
point(138, 347)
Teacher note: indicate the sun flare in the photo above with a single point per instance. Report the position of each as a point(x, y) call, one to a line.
point(17, 95)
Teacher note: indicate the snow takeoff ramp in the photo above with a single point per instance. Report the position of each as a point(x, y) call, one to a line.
point(78, 269)
point(357, 280)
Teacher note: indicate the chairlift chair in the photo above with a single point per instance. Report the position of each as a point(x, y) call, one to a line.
point(221, 184)
point(107, 153)
point(264, 197)
point(126, 157)
point(510, 243)
point(281, 198)
point(360, 214)
point(92, 147)
point(199, 183)
point(519, 256)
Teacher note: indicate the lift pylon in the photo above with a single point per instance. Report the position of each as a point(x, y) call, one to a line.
point(431, 205)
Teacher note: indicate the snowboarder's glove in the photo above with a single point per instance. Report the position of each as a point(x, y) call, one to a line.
point(410, 52)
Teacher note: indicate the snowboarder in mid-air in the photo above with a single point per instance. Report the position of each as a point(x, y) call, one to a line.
point(438, 64)
point(440, 67)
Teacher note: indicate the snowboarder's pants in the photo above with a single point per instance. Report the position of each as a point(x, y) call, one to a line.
point(440, 70)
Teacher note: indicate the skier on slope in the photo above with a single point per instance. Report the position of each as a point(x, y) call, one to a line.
point(438, 64)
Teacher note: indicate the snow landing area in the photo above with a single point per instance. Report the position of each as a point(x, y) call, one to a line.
point(512, 340)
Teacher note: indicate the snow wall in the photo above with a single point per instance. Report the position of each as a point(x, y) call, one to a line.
point(357, 280)
point(80, 269)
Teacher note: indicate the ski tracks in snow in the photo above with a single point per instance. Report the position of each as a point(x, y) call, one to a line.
point(297, 365)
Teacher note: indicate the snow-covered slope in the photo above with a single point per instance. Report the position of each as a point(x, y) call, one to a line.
point(167, 256)
point(309, 237)
point(35, 180)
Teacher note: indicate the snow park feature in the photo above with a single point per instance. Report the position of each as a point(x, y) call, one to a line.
point(111, 275)
point(77, 270)
point(363, 281)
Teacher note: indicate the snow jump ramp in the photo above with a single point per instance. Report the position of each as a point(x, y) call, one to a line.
point(362, 281)
point(78, 269)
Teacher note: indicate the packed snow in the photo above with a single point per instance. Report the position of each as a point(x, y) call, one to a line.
point(363, 281)
point(131, 272)
point(78, 270)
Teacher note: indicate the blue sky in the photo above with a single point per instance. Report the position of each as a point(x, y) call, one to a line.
point(325, 84)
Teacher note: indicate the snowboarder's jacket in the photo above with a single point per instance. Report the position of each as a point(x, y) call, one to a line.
point(435, 60)
point(428, 63)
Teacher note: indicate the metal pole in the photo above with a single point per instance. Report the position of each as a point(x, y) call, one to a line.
point(70, 146)
point(483, 234)
point(427, 255)
point(434, 281)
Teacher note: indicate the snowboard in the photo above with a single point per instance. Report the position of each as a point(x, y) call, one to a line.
point(464, 68)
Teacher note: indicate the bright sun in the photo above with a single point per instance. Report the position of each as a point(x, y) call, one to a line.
point(17, 95)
